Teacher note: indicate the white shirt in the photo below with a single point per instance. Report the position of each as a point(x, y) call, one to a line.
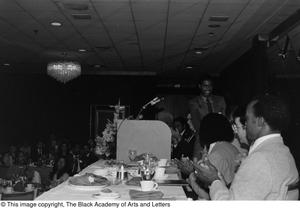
point(211, 146)
point(261, 140)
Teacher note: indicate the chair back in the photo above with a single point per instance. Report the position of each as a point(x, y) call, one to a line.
point(22, 196)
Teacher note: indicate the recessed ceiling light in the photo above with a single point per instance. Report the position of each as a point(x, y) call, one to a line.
point(56, 24)
point(6, 64)
point(98, 66)
point(218, 18)
point(188, 67)
point(199, 52)
point(177, 85)
point(82, 50)
point(214, 25)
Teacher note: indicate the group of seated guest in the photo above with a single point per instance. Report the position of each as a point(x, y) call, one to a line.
point(66, 159)
point(216, 136)
point(265, 171)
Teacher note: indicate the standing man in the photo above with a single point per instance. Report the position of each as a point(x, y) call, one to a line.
point(203, 104)
point(269, 171)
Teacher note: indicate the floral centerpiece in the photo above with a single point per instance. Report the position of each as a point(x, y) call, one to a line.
point(106, 144)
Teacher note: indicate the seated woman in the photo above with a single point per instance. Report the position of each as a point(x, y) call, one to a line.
point(33, 176)
point(60, 172)
point(238, 124)
point(21, 159)
point(7, 160)
point(216, 136)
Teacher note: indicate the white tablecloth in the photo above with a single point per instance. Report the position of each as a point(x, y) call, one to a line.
point(66, 192)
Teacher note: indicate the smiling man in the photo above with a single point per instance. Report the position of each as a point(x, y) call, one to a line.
point(269, 171)
point(202, 105)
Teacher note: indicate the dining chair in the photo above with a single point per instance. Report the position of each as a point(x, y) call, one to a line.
point(22, 196)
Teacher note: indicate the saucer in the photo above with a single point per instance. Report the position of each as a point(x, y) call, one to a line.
point(161, 177)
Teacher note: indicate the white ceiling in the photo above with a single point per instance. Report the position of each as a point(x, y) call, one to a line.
point(134, 36)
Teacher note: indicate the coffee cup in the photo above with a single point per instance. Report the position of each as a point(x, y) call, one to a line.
point(162, 162)
point(160, 173)
point(29, 187)
point(149, 185)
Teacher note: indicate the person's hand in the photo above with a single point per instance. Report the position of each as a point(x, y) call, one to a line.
point(186, 166)
point(206, 172)
point(192, 180)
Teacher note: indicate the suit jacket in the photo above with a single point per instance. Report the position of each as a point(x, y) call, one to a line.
point(186, 146)
point(198, 108)
point(265, 174)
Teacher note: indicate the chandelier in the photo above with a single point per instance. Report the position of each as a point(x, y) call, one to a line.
point(64, 71)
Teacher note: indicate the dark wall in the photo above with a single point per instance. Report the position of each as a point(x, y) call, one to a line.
point(34, 106)
point(253, 74)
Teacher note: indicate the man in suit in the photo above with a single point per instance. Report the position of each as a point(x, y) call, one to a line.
point(269, 171)
point(185, 145)
point(203, 104)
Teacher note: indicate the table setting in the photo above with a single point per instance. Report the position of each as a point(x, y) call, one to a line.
point(145, 177)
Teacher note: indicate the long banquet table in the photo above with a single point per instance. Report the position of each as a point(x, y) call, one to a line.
point(66, 192)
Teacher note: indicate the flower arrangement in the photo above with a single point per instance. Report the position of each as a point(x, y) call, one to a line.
point(106, 144)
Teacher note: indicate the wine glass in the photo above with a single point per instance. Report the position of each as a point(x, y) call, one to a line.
point(132, 154)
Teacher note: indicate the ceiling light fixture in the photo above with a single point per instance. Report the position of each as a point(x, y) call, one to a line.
point(218, 18)
point(64, 71)
point(82, 50)
point(200, 50)
point(188, 67)
point(6, 64)
point(214, 25)
point(56, 24)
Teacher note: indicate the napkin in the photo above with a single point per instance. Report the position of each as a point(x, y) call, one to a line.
point(135, 181)
point(85, 180)
point(145, 195)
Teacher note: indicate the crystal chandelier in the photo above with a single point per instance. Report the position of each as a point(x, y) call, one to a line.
point(64, 71)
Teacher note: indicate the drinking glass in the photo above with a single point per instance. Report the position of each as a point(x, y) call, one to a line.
point(132, 154)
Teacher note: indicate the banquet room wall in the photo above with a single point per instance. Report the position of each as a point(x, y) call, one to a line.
point(34, 106)
point(253, 74)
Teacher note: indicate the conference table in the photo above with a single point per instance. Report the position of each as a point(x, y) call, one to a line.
point(65, 191)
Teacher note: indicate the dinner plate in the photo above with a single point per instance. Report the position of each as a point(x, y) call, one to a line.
point(87, 188)
point(112, 195)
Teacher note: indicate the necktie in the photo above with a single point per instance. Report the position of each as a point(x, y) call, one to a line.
point(209, 106)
